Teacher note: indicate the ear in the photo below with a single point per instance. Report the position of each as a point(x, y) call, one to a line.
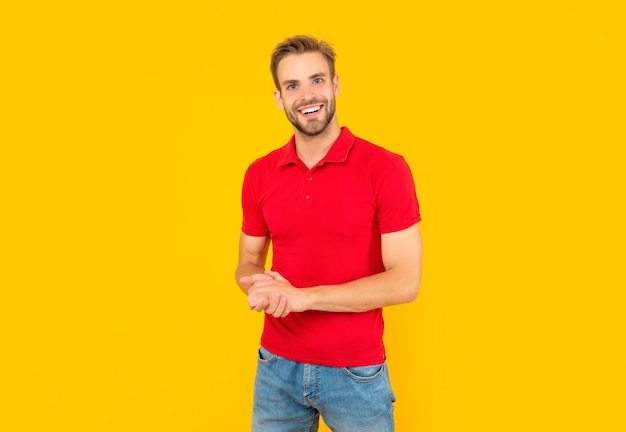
point(279, 99)
point(336, 84)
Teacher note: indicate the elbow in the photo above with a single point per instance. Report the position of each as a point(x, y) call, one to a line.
point(410, 292)
point(413, 288)
point(413, 292)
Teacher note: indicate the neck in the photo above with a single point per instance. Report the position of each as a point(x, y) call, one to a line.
point(312, 149)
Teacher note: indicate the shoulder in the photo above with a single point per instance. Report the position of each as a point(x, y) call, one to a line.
point(379, 157)
point(270, 160)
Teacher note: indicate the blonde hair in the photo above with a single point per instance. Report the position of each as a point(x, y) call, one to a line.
point(298, 45)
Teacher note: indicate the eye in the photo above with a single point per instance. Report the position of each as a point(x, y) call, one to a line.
point(318, 80)
point(291, 87)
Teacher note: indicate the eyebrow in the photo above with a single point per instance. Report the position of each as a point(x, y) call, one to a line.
point(295, 81)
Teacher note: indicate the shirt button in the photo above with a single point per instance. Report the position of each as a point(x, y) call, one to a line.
point(308, 197)
point(310, 178)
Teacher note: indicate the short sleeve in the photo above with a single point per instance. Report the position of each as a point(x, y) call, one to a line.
point(253, 221)
point(396, 199)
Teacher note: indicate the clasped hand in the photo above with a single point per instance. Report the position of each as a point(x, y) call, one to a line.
point(272, 293)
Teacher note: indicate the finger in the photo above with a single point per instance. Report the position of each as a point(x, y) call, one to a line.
point(259, 306)
point(262, 283)
point(280, 306)
point(263, 304)
point(287, 310)
point(275, 275)
point(252, 305)
point(249, 280)
point(273, 304)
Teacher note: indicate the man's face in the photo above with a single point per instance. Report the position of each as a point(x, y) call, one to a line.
point(307, 92)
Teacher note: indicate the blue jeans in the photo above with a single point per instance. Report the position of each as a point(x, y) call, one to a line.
point(290, 396)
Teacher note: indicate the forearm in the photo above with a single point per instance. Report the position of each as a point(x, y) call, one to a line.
point(399, 283)
point(252, 256)
point(391, 287)
point(247, 269)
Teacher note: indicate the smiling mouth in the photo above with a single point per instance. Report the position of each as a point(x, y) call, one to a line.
point(310, 110)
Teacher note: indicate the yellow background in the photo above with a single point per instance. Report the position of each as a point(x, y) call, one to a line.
point(125, 130)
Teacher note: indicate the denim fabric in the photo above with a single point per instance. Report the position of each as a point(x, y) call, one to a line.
point(290, 396)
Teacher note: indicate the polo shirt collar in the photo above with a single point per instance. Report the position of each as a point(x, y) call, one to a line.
point(338, 151)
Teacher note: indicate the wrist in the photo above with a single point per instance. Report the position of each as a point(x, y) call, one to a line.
point(312, 298)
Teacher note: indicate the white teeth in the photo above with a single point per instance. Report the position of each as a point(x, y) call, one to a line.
point(311, 110)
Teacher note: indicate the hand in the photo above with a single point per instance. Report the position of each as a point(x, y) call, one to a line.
point(274, 294)
point(261, 299)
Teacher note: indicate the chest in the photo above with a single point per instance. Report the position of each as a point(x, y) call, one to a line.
point(326, 201)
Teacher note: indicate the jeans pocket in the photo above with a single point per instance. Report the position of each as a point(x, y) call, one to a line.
point(266, 357)
point(365, 373)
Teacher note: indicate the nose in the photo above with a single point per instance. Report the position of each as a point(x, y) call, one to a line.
point(306, 92)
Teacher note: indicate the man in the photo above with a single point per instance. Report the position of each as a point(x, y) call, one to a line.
point(341, 215)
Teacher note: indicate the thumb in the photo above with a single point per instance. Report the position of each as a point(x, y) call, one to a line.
point(246, 280)
point(275, 275)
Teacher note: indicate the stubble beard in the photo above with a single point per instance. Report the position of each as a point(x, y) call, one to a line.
point(313, 127)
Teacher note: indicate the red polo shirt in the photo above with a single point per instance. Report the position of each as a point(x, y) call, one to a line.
point(325, 225)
